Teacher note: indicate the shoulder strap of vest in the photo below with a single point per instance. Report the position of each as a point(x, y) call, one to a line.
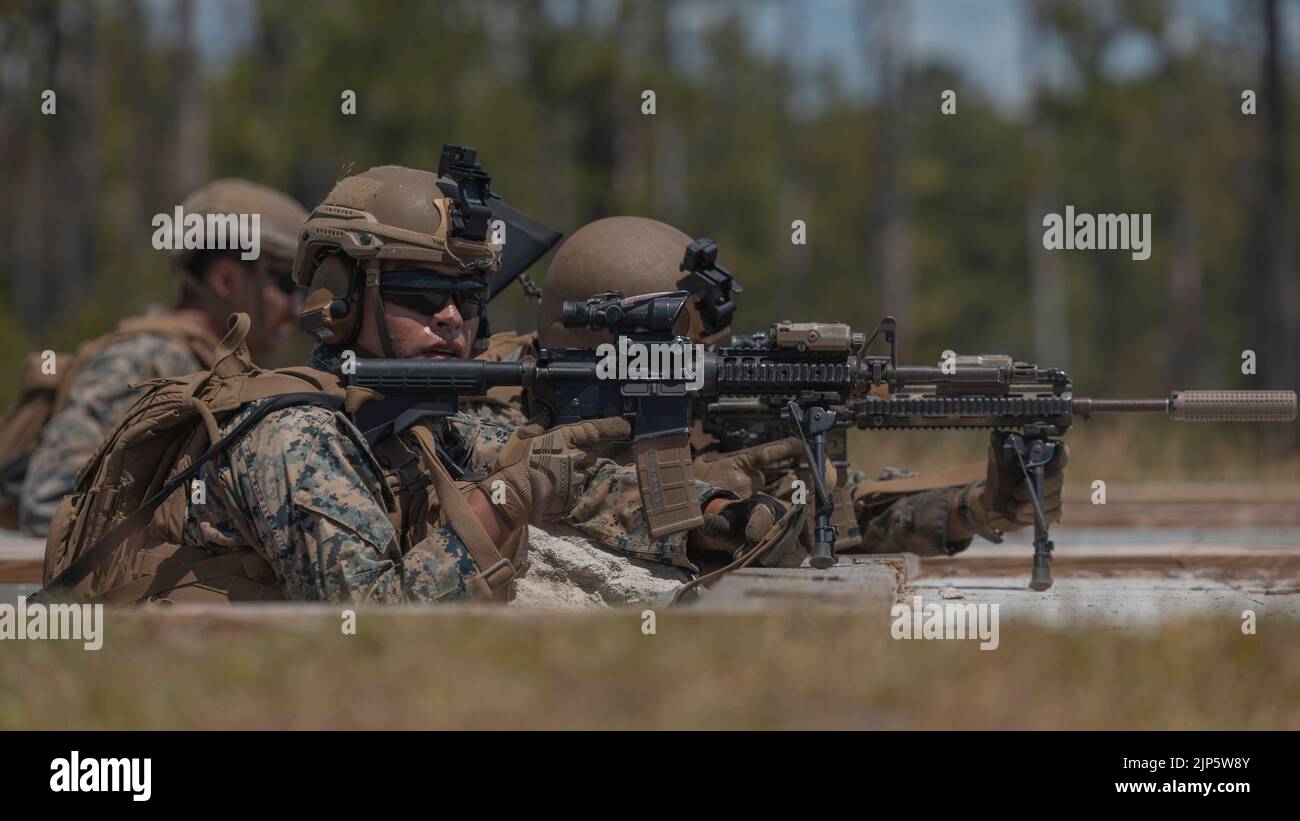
point(80, 567)
point(495, 572)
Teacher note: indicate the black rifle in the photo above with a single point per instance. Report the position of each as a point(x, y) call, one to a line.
point(816, 375)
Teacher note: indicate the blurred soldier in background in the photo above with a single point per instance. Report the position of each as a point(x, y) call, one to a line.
point(94, 386)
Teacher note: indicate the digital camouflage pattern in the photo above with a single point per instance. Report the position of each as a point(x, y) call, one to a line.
point(99, 396)
point(310, 496)
point(611, 513)
point(500, 413)
point(915, 523)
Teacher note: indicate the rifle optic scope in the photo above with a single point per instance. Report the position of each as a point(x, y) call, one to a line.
point(611, 312)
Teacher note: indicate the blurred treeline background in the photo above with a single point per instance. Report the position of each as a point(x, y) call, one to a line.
point(760, 120)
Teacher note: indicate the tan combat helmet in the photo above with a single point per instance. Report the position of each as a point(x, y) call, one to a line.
point(279, 217)
point(635, 255)
point(390, 213)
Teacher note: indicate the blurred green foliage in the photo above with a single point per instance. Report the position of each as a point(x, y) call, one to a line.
point(743, 140)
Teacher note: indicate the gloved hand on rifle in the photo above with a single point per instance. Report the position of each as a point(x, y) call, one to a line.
point(745, 519)
point(1004, 500)
point(545, 471)
point(741, 471)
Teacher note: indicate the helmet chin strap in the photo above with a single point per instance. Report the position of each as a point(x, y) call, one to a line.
point(377, 307)
point(260, 281)
point(481, 335)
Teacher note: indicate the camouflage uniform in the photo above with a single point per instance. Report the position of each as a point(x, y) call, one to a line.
point(915, 523)
point(509, 414)
point(99, 397)
point(306, 491)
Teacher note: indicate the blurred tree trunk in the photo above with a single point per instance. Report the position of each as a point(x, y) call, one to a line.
point(55, 243)
point(1184, 297)
point(32, 140)
point(1276, 293)
point(1184, 129)
point(537, 41)
point(795, 203)
point(1050, 321)
point(189, 102)
point(885, 43)
point(627, 175)
point(137, 189)
point(670, 163)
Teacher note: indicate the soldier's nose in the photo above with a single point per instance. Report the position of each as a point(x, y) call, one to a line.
point(448, 319)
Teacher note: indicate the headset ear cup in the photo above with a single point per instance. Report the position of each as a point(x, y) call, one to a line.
point(332, 310)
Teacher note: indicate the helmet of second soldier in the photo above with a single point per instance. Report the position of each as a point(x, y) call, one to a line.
point(634, 255)
point(280, 216)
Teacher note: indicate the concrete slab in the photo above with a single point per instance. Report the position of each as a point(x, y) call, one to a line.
point(1113, 602)
point(1130, 577)
point(870, 583)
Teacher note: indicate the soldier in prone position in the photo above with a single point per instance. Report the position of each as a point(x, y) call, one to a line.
point(912, 514)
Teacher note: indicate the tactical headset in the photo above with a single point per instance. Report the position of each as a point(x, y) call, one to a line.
point(331, 312)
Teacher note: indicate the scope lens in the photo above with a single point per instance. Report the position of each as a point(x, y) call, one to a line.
point(575, 314)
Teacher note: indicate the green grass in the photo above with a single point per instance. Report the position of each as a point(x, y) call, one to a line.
point(467, 669)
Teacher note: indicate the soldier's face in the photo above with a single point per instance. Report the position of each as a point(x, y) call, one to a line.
point(419, 335)
point(263, 298)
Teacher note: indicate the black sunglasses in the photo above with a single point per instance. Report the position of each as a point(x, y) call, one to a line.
point(428, 293)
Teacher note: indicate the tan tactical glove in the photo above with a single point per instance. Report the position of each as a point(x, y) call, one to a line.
point(751, 518)
point(741, 471)
point(1005, 500)
point(541, 473)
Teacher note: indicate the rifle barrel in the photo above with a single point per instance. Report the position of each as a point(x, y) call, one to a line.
point(1086, 407)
